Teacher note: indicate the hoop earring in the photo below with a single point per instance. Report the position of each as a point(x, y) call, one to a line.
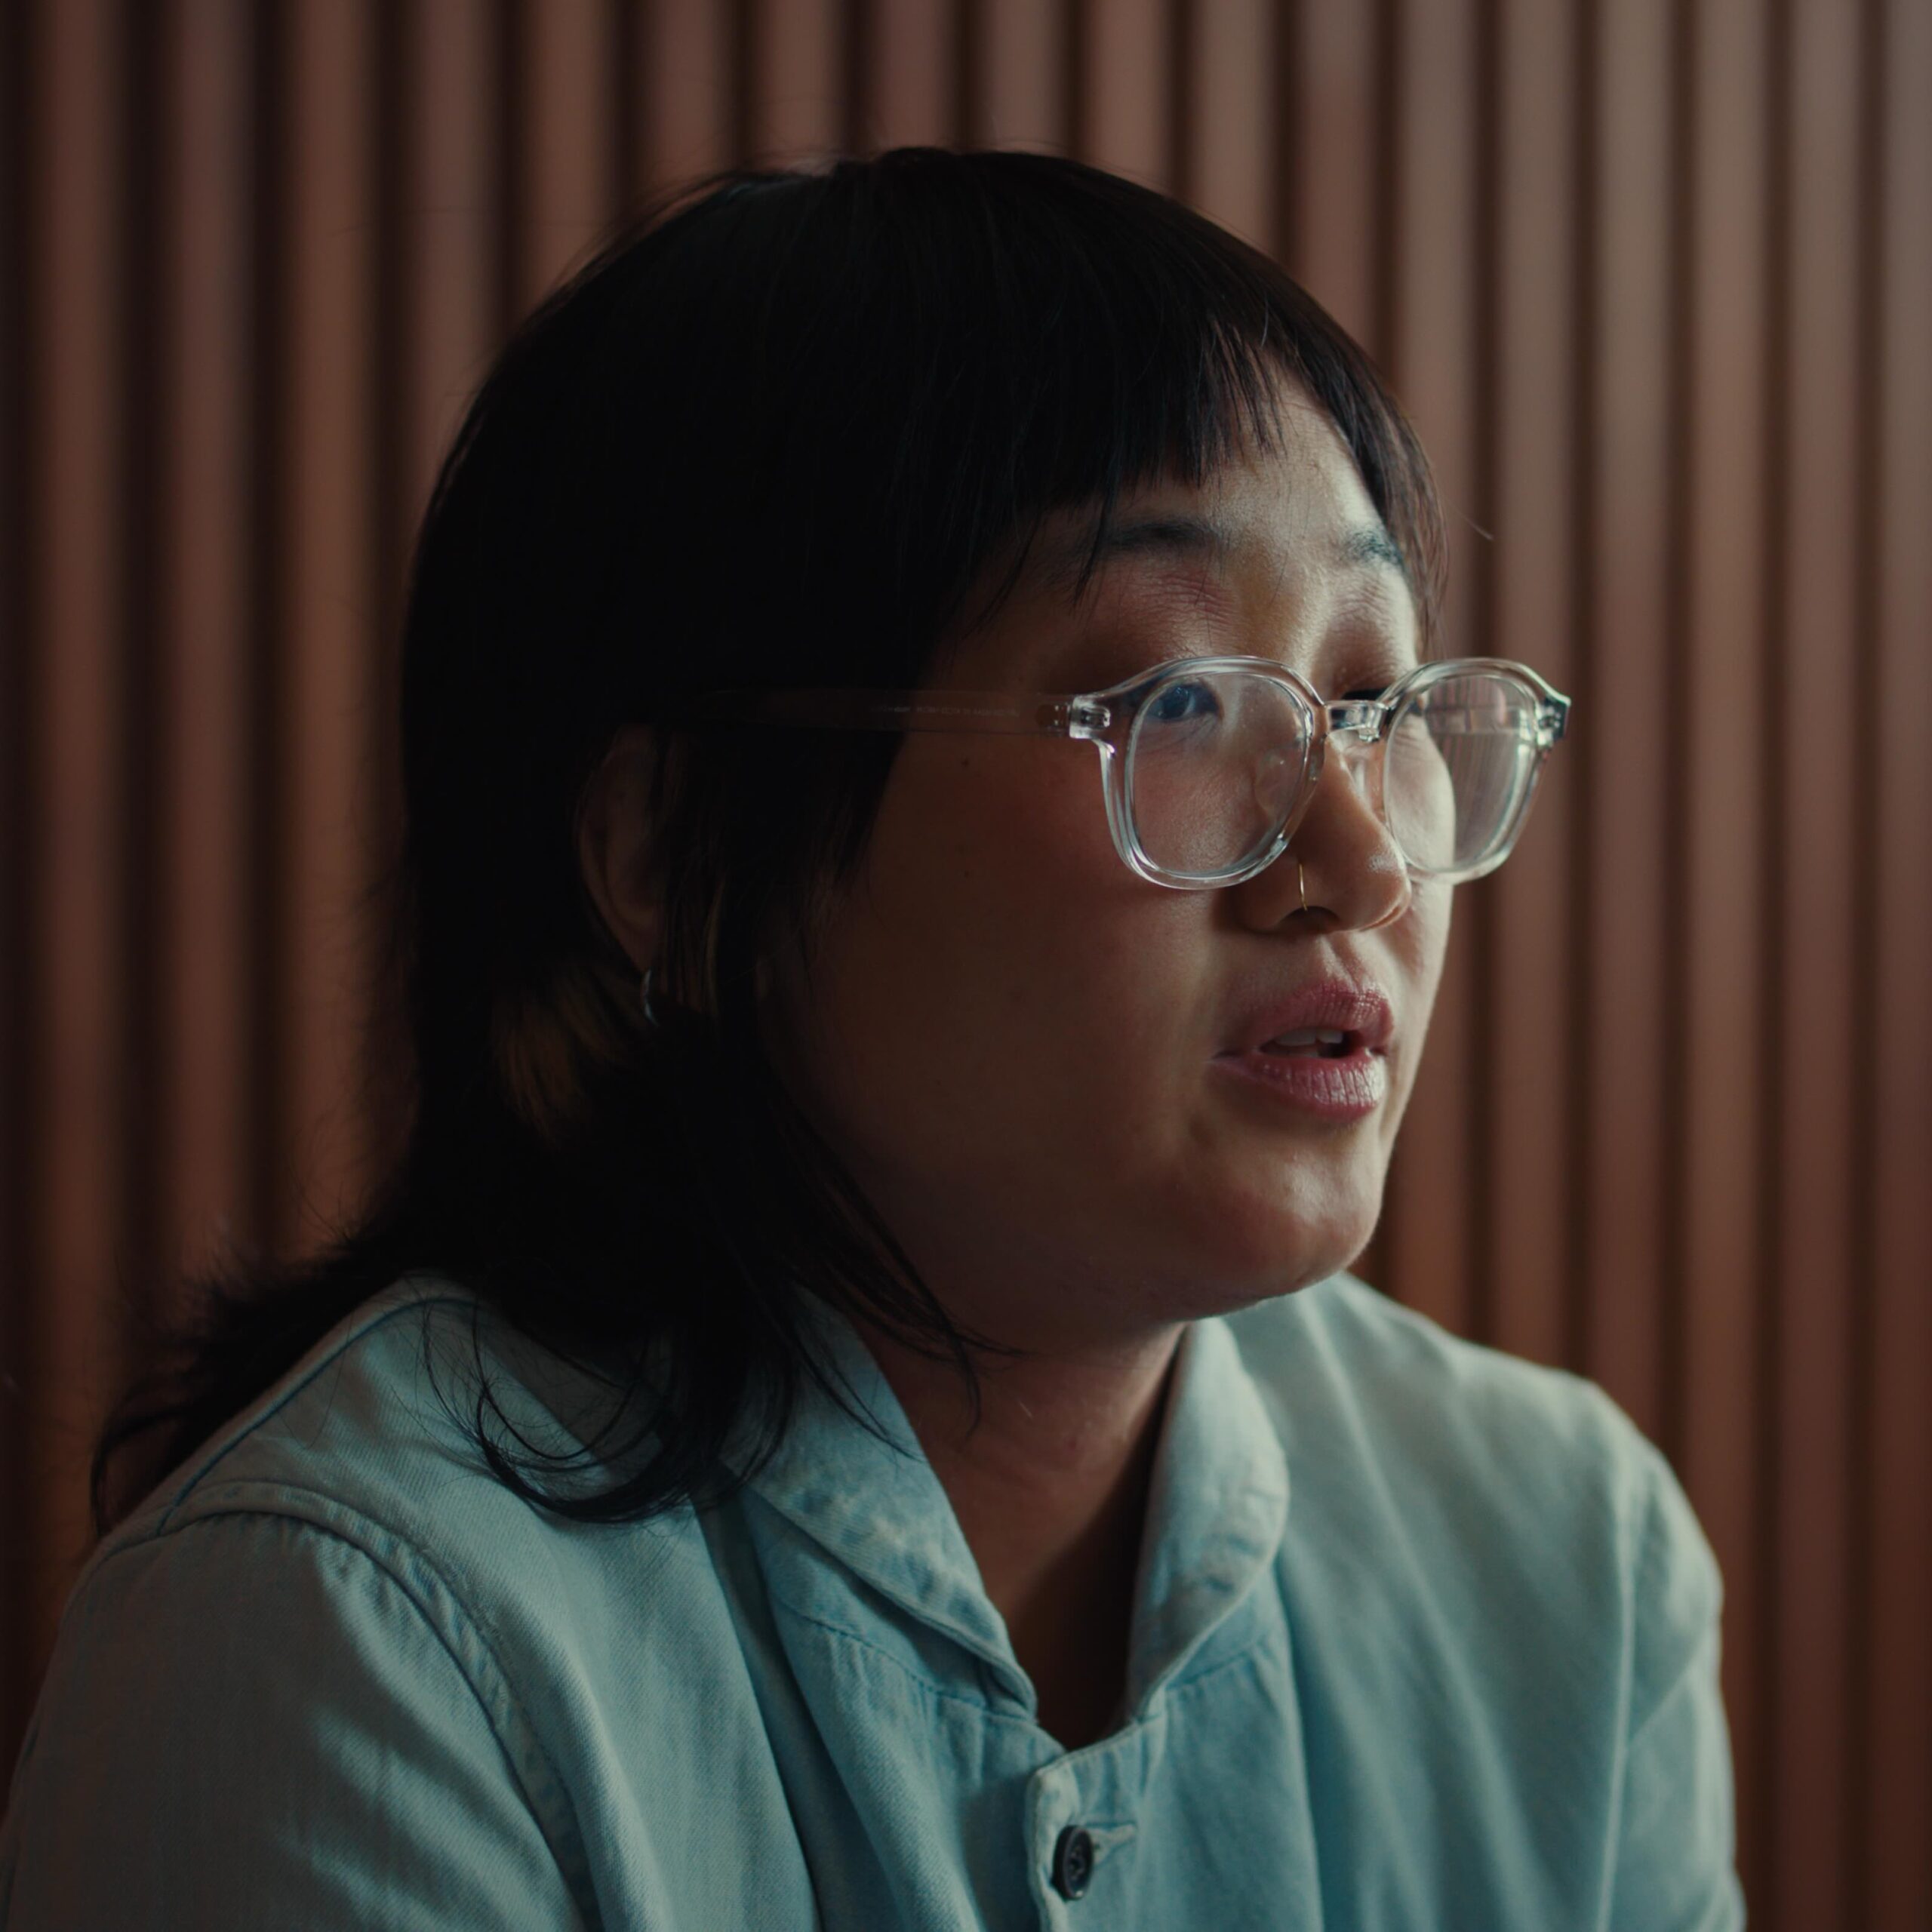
point(650, 1019)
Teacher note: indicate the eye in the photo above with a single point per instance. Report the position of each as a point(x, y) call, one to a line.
point(1181, 703)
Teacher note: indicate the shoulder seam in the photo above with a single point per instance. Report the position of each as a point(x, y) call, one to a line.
point(233, 1436)
point(448, 1603)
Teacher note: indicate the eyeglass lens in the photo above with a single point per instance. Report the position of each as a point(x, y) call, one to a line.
point(1218, 761)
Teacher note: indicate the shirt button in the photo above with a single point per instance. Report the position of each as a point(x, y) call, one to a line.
point(1073, 1861)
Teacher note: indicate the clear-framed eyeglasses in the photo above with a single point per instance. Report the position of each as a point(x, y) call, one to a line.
point(1208, 765)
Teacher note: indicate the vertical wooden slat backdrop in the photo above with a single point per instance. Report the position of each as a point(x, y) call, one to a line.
point(1724, 1080)
point(1893, 1684)
point(201, 809)
point(1655, 278)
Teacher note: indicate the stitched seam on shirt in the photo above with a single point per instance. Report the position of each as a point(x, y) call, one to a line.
point(1709, 1631)
point(577, 1876)
point(228, 1444)
point(918, 1677)
point(1246, 1654)
point(1688, 1682)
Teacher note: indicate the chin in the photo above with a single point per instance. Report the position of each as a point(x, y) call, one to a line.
point(1281, 1245)
point(1221, 1277)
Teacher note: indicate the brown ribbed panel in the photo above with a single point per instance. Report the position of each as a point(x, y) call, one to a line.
point(1655, 281)
point(1817, 746)
point(1870, 522)
point(905, 93)
point(388, 508)
point(20, 1482)
point(1287, 109)
point(1335, 153)
point(1894, 1686)
point(1431, 356)
point(1479, 567)
point(1128, 120)
point(567, 102)
point(1629, 843)
point(1771, 1863)
point(1720, 848)
point(1022, 46)
point(201, 1153)
point(796, 66)
point(1529, 987)
point(625, 160)
point(454, 147)
point(687, 87)
point(78, 920)
point(145, 719)
point(1226, 136)
point(330, 594)
point(266, 544)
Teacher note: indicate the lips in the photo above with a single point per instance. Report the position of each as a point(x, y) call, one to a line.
point(1338, 1084)
point(1360, 1011)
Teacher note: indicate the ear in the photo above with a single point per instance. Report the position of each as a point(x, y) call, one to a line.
point(616, 845)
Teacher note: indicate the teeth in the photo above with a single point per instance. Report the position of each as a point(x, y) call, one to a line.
point(1310, 1036)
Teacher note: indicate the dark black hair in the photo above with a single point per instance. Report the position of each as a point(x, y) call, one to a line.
point(777, 433)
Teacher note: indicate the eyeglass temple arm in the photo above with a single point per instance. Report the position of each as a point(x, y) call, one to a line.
point(1020, 713)
point(1025, 713)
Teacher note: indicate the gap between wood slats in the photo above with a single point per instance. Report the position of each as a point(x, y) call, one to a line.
point(1580, 747)
point(266, 618)
point(77, 922)
point(1869, 528)
point(22, 537)
point(203, 1160)
point(1477, 911)
point(1897, 1732)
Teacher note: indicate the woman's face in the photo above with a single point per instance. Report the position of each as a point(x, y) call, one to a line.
point(1018, 1045)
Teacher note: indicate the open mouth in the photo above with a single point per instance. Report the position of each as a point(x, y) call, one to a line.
point(1312, 1043)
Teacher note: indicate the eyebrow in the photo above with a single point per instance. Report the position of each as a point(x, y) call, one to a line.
point(1369, 543)
point(1187, 535)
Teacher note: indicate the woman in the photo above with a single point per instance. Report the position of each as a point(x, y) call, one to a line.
point(852, 1410)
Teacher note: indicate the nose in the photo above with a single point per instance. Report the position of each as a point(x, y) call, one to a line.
point(1353, 868)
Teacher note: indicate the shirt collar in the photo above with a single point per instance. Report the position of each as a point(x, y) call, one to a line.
point(1217, 1509)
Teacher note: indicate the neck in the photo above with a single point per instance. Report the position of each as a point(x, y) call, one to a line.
point(1050, 1491)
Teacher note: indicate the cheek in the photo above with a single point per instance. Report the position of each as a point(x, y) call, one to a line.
point(987, 982)
point(1419, 944)
point(943, 944)
point(1428, 941)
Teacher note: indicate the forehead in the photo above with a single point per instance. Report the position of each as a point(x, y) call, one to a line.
point(1301, 507)
point(1287, 514)
point(1296, 521)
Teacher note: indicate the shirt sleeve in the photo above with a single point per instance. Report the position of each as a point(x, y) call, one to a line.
point(250, 1722)
point(1676, 1866)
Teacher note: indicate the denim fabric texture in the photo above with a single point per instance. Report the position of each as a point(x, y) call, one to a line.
point(1424, 1636)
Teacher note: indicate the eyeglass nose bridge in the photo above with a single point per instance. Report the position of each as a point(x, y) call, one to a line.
point(1360, 719)
point(1355, 728)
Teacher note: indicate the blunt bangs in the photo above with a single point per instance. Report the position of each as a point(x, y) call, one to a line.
point(908, 362)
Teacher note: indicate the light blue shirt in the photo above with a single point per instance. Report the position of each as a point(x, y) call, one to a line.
point(1424, 1636)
